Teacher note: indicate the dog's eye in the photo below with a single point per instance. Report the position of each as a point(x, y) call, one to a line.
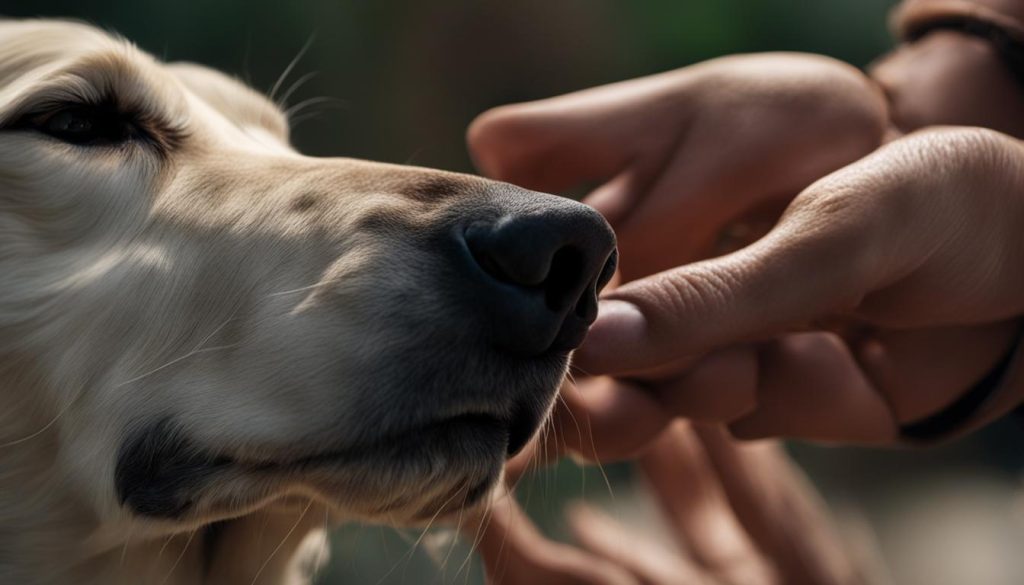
point(87, 125)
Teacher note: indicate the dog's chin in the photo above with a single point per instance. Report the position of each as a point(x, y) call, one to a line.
point(420, 474)
point(404, 478)
point(425, 474)
point(464, 496)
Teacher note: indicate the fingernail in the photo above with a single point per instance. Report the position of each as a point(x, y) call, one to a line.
point(619, 326)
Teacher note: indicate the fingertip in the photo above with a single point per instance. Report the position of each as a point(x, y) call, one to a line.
point(580, 516)
point(486, 139)
point(593, 529)
point(618, 332)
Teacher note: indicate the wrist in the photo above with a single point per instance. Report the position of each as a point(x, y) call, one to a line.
point(998, 393)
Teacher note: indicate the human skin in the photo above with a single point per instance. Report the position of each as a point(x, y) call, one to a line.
point(906, 255)
point(889, 285)
point(730, 511)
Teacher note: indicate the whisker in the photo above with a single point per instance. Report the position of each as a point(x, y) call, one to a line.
point(60, 414)
point(504, 537)
point(481, 529)
point(412, 550)
point(127, 540)
point(593, 447)
point(291, 65)
point(163, 548)
point(579, 433)
point(468, 563)
point(192, 353)
point(280, 544)
point(295, 290)
point(316, 100)
point(318, 565)
point(283, 101)
point(181, 555)
point(294, 122)
point(262, 531)
point(451, 547)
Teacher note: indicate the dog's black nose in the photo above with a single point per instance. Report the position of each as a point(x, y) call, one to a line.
point(543, 268)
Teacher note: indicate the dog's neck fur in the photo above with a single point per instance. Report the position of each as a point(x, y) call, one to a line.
point(49, 532)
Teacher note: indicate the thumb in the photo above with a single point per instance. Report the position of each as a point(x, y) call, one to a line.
point(806, 268)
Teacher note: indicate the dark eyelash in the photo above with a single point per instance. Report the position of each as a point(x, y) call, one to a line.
point(131, 126)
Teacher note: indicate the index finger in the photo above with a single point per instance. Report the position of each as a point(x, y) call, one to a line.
point(589, 135)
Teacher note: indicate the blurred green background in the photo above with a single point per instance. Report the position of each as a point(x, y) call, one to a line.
point(399, 80)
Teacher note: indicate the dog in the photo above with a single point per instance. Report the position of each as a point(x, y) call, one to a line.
point(210, 343)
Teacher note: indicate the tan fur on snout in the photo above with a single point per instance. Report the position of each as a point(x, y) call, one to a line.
point(204, 294)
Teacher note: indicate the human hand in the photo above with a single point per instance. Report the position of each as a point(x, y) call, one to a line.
point(919, 245)
point(880, 370)
point(735, 514)
point(954, 66)
point(684, 154)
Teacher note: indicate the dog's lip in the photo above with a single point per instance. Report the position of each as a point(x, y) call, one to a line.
point(468, 422)
point(526, 419)
point(466, 498)
point(518, 430)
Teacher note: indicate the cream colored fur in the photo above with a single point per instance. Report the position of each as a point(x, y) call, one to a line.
point(218, 277)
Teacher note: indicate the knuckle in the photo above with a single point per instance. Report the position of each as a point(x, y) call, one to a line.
point(692, 291)
point(947, 152)
point(825, 203)
point(831, 230)
point(971, 140)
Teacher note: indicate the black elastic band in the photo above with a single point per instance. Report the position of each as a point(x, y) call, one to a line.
point(951, 419)
point(1008, 44)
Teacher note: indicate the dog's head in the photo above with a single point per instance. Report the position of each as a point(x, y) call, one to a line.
point(206, 320)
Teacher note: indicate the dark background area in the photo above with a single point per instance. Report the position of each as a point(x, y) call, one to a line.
point(399, 81)
point(407, 76)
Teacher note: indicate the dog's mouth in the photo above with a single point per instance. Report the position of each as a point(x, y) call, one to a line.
point(518, 429)
point(162, 474)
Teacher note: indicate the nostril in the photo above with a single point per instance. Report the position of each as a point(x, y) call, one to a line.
point(561, 287)
point(586, 306)
point(506, 255)
point(608, 271)
point(489, 264)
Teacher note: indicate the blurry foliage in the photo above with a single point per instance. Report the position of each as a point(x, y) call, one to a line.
point(405, 77)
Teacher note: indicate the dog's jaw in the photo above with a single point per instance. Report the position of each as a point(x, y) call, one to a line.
point(52, 538)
